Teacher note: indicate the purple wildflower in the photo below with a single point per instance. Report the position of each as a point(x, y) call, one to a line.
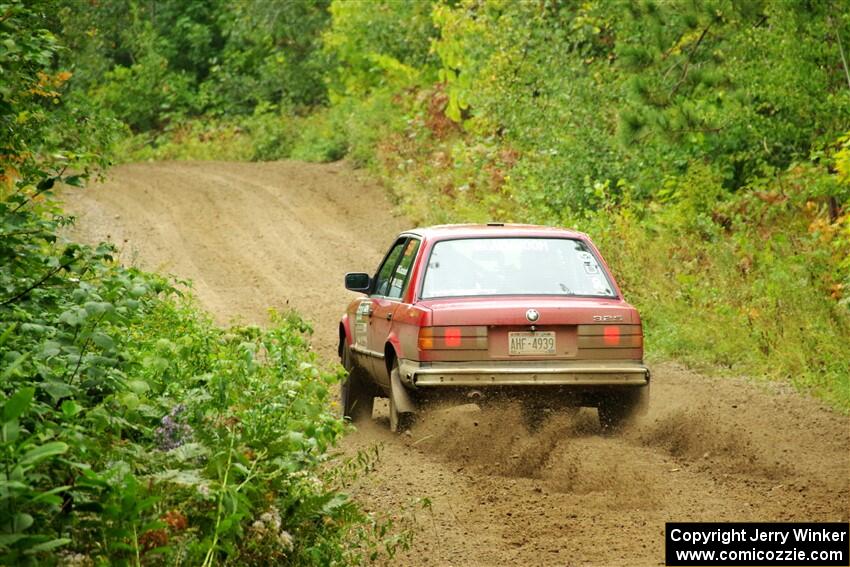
point(173, 433)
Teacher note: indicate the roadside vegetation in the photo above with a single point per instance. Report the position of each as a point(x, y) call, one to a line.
point(132, 429)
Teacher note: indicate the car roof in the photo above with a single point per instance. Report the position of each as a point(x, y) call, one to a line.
point(490, 230)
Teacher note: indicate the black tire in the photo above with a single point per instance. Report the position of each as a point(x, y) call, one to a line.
point(399, 422)
point(357, 396)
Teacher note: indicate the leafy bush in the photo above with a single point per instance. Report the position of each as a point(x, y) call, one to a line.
point(144, 94)
point(748, 284)
point(193, 140)
point(321, 139)
point(133, 429)
point(272, 134)
point(271, 55)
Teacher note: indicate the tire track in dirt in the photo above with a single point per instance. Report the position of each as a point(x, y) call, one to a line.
point(253, 236)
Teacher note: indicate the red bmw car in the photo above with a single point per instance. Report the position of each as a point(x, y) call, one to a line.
point(492, 311)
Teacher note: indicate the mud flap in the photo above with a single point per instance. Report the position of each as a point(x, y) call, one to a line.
point(401, 398)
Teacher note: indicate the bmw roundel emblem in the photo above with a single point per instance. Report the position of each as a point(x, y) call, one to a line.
point(532, 315)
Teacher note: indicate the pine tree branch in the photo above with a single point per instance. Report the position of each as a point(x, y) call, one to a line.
point(688, 60)
point(840, 49)
point(761, 21)
point(670, 51)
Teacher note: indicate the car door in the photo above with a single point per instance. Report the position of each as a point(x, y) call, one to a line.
point(365, 334)
point(390, 285)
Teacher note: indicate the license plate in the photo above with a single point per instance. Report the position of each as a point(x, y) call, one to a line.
point(525, 344)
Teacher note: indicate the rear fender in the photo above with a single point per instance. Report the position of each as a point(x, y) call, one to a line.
point(392, 350)
point(345, 337)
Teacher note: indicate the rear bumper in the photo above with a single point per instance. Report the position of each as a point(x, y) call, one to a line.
point(522, 373)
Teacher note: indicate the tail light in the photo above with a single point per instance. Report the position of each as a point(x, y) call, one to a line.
point(448, 338)
point(610, 336)
point(426, 338)
point(452, 337)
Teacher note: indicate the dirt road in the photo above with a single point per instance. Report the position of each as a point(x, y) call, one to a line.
point(253, 236)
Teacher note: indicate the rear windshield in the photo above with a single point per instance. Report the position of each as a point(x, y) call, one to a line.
point(514, 266)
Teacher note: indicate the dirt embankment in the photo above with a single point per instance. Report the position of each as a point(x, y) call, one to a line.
point(253, 236)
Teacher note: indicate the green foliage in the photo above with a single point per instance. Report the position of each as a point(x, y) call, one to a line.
point(703, 143)
point(676, 82)
point(132, 429)
point(144, 94)
point(386, 44)
point(41, 137)
point(151, 64)
point(322, 139)
point(192, 140)
point(140, 62)
point(271, 134)
point(747, 84)
point(744, 284)
point(268, 134)
point(272, 54)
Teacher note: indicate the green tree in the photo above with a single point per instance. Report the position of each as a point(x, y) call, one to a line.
point(377, 43)
point(747, 85)
point(272, 54)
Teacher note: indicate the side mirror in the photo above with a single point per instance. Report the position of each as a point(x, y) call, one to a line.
point(358, 281)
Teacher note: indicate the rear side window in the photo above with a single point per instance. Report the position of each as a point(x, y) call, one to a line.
point(387, 269)
point(402, 271)
point(514, 266)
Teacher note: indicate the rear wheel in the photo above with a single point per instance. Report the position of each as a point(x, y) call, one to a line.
point(356, 393)
point(399, 421)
